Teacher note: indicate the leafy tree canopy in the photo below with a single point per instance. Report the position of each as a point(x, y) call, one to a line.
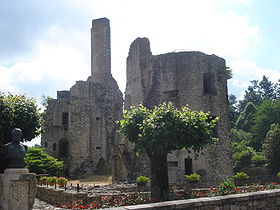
point(267, 89)
point(258, 92)
point(162, 129)
point(245, 119)
point(165, 128)
point(39, 162)
point(240, 135)
point(233, 112)
point(46, 101)
point(267, 113)
point(271, 147)
point(251, 95)
point(18, 111)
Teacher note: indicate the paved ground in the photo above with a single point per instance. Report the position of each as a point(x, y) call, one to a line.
point(87, 182)
point(40, 205)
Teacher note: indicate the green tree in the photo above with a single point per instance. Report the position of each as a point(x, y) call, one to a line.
point(233, 113)
point(240, 135)
point(267, 89)
point(228, 73)
point(277, 89)
point(251, 95)
point(39, 162)
point(267, 113)
point(245, 119)
point(271, 148)
point(46, 101)
point(18, 111)
point(258, 92)
point(159, 131)
point(242, 154)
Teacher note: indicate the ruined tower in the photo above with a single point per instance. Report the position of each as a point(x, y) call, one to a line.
point(182, 78)
point(80, 124)
point(100, 50)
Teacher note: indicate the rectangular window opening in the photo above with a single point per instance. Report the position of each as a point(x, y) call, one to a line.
point(188, 166)
point(65, 118)
point(209, 83)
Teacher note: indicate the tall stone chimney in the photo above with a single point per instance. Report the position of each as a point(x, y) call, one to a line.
point(100, 50)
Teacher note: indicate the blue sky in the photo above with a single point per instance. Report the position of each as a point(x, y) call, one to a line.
point(45, 44)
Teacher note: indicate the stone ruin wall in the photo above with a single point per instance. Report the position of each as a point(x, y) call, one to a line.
point(80, 124)
point(94, 110)
point(55, 129)
point(192, 78)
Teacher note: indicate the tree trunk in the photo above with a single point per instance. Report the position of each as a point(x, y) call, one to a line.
point(159, 180)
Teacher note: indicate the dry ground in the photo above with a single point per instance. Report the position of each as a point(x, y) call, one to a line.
point(100, 180)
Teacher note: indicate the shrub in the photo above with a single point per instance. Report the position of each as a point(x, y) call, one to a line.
point(239, 136)
point(39, 162)
point(258, 160)
point(226, 187)
point(142, 180)
point(43, 179)
point(244, 158)
point(278, 174)
point(62, 180)
point(52, 180)
point(192, 177)
point(271, 148)
point(241, 176)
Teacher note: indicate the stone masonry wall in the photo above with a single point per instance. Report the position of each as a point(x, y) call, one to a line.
point(266, 200)
point(100, 50)
point(269, 199)
point(80, 124)
point(192, 78)
point(94, 110)
point(54, 129)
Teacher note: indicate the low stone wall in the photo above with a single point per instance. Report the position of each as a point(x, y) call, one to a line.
point(258, 175)
point(269, 199)
point(59, 196)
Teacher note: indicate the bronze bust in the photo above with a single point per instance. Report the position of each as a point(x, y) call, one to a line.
point(12, 154)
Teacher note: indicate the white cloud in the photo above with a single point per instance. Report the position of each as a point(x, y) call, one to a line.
point(63, 53)
point(6, 80)
point(188, 25)
point(246, 70)
point(60, 38)
point(59, 63)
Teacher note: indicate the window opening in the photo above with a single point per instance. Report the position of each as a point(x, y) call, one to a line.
point(54, 146)
point(188, 166)
point(209, 83)
point(65, 118)
point(63, 148)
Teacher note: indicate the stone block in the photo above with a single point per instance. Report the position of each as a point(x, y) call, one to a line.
point(17, 189)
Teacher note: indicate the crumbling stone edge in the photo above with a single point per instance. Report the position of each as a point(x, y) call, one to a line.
point(269, 199)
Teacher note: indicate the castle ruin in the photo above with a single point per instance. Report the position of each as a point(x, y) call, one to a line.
point(80, 124)
point(183, 78)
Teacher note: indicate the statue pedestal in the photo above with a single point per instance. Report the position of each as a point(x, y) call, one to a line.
point(17, 189)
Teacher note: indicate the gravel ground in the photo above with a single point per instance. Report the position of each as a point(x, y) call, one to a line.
point(40, 205)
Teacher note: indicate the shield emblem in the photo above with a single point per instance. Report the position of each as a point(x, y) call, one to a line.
point(18, 189)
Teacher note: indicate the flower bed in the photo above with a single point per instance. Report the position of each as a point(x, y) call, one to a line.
point(142, 198)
